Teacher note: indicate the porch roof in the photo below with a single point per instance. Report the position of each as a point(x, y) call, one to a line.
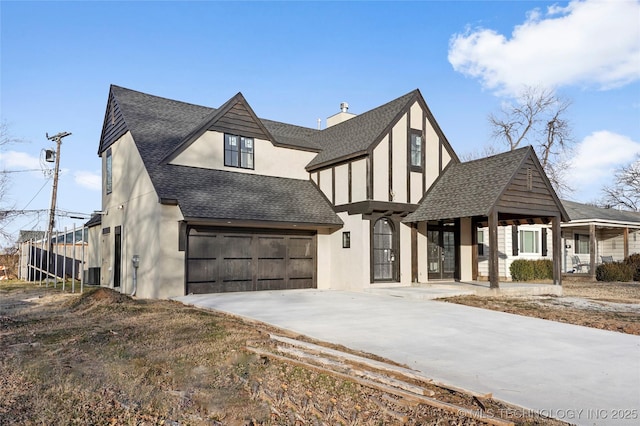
point(475, 188)
point(582, 214)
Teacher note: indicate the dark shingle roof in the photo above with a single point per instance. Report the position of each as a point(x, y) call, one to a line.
point(95, 220)
point(180, 118)
point(357, 134)
point(584, 212)
point(469, 189)
point(219, 194)
point(158, 125)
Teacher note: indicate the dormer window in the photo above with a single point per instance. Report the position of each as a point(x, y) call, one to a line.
point(238, 151)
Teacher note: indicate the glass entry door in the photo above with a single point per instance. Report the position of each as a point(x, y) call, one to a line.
point(384, 254)
point(441, 252)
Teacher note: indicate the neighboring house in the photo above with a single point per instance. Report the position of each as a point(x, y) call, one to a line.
point(616, 235)
point(92, 260)
point(65, 261)
point(596, 235)
point(215, 200)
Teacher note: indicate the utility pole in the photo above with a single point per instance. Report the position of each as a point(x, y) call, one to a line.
point(52, 213)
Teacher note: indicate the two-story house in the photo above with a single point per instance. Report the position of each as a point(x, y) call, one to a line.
point(218, 199)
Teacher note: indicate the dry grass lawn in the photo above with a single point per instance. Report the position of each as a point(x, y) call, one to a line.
point(102, 358)
point(608, 306)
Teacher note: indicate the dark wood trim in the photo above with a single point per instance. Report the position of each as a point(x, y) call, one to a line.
point(494, 278)
point(592, 250)
point(557, 250)
point(414, 252)
point(439, 156)
point(333, 186)
point(515, 240)
point(182, 235)
point(545, 245)
point(387, 130)
point(371, 206)
point(350, 182)
point(168, 201)
point(436, 127)
point(424, 152)
point(474, 248)
point(253, 224)
point(369, 172)
point(408, 166)
point(395, 223)
point(390, 170)
point(343, 160)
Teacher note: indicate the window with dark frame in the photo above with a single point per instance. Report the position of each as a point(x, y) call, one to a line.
point(480, 242)
point(238, 151)
point(346, 240)
point(581, 244)
point(416, 150)
point(109, 172)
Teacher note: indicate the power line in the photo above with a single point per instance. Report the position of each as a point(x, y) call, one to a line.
point(20, 171)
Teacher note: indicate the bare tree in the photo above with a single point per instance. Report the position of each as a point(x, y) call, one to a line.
point(538, 118)
point(625, 191)
point(485, 151)
point(5, 139)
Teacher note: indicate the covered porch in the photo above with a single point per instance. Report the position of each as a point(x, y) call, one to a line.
point(508, 189)
point(595, 235)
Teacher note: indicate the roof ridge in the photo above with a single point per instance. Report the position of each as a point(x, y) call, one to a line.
point(159, 97)
point(369, 112)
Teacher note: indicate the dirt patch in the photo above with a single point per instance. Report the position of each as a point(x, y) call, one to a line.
point(105, 358)
point(607, 306)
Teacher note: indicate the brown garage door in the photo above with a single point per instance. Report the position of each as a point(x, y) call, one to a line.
point(220, 260)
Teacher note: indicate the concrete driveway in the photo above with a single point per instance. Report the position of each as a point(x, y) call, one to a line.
point(573, 373)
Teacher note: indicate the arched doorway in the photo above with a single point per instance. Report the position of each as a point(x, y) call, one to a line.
point(384, 252)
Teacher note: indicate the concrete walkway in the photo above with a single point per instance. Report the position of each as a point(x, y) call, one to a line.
point(573, 373)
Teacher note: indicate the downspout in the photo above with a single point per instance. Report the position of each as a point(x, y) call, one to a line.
point(136, 262)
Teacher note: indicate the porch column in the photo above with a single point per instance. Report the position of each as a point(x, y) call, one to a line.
point(625, 236)
point(592, 251)
point(474, 248)
point(557, 250)
point(494, 276)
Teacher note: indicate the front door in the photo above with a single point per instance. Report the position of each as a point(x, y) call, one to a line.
point(384, 251)
point(441, 249)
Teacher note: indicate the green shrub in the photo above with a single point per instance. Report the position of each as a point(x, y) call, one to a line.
point(521, 270)
point(543, 269)
point(634, 262)
point(527, 270)
point(616, 271)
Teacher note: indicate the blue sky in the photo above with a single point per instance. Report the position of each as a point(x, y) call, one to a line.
point(296, 61)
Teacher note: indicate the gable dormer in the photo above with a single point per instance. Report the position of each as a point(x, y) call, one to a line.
point(233, 138)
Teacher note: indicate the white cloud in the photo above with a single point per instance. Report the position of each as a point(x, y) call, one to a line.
point(597, 157)
point(88, 180)
point(588, 43)
point(15, 160)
